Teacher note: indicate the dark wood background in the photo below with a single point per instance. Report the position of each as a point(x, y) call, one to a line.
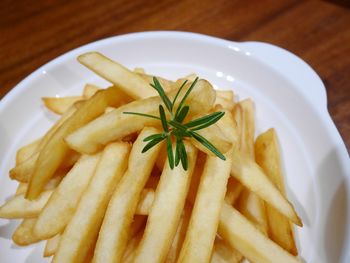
point(32, 32)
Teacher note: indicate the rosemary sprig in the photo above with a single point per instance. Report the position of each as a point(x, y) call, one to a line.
point(175, 127)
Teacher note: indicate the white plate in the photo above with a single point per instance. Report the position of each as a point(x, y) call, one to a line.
point(288, 95)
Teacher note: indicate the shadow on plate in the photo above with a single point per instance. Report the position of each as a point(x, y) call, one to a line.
point(334, 197)
point(36, 255)
point(7, 230)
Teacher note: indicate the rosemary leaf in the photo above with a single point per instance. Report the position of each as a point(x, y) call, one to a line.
point(208, 145)
point(142, 114)
point(178, 92)
point(158, 87)
point(154, 136)
point(183, 113)
point(163, 118)
point(185, 97)
point(169, 150)
point(152, 143)
point(210, 118)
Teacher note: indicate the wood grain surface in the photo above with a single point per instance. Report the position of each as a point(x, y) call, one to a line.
point(34, 32)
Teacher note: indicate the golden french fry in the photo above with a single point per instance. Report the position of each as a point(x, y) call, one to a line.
point(52, 245)
point(250, 205)
point(21, 188)
point(63, 202)
point(19, 207)
point(253, 208)
point(132, 84)
point(23, 171)
point(225, 103)
point(226, 94)
point(196, 176)
point(179, 236)
point(23, 235)
point(253, 177)
point(139, 70)
point(111, 126)
point(26, 151)
point(215, 136)
point(90, 90)
point(167, 85)
point(234, 189)
point(247, 128)
point(268, 157)
point(54, 152)
point(129, 254)
point(59, 105)
point(83, 228)
point(163, 218)
point(197, 247)
point(228, 127)
point(223, 253)
point(52, 184)
point(114, 231)
point(146, 201)
point(248, 240)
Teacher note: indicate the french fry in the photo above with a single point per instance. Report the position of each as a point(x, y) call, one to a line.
point(139, 70)
point(54, 152)
point(248, 240)
point(226, 94)
point(196, 176)
point(23, 171)
point(167, 85)
point(234, 189)
point(115, 228)
point(268, 157)
point(216, 137)
point(90, 90)
point(225, 103)
point(250, 205)
point(129, 254)
point(176, 245)
point(26, 151)
point(163, 219)
point(63, 202)
point(52, 184)
point(59, 105)
point(247, 128)
point(23, 235)
point(19, 207)
point(228, 127)
point(132, 84)
point(111, 126)
point(253, 208)
point(253, 177)
point(21, 188)
point(83, 228)
point(223, 253)
point(146, 201)
point(206, 211)
point(52, 245)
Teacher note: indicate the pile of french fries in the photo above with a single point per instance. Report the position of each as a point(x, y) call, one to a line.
point(89, 192)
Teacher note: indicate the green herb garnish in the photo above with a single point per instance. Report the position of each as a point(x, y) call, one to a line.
point(175, 127)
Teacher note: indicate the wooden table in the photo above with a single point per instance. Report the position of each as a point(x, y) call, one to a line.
point(34, 32)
